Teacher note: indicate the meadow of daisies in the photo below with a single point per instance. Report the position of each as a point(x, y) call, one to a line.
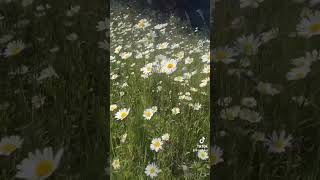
point(52, 94)
point(266, 81)
point(159, 108)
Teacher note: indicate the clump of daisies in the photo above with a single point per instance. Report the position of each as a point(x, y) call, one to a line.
point(157, 143)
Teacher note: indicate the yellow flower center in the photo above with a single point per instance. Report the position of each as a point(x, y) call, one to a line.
point(123, 115)
point(8, 148)
point(152, 171)
point(300, 74)
point(148, 114)
point(279, 145)
point(221, 55)
point(141, 24)
point(126, 56)
point(248, 48)
point(213, 159)
point(157, 144)
point(315, 28)
point(170, 65)
point(16, 51)
point(44, 168)
point(202, 155)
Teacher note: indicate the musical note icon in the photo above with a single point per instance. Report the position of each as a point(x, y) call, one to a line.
point(201, 141)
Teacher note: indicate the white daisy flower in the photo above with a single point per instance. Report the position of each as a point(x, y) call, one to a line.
point(298, 73)
point(196, 106)
point(175, 110)
point(156, 144)
point(46, 73)
point(72, 37)
point(266, 88)
point(126, 55)
point(163, 45)
point(249, 115)
point(303, 61)
point(226, 101)
point(249, 102)
point(103, 25)
point(188, 60)
point(154, 108)
point(230, 113)
point(142, 24)
point(160, 26)
point(113, 107)
point(39, 165)
point(152, 170)
point(248, 45)
point(269, 35)
point(202, 154)
point(309, 26)
point(117, 49)
point(9, 144)
point(14, 48)
point(204, 82)
point(278, 144)
point(216, 155)
point(165, 137)
point(206, 58)
point(123, 138)
point(224, 55)
point(122, 114)
point(258, 136)
point(148, 113)
point(168, 66)
point(147, 70)
point(313, 56)
point(116, 164)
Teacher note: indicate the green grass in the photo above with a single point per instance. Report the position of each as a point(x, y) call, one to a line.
point(73, 114)
point(244, 158)
point(186, 128)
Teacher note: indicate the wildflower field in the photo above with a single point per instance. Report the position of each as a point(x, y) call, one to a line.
point(266, 89)
point(159, 117)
